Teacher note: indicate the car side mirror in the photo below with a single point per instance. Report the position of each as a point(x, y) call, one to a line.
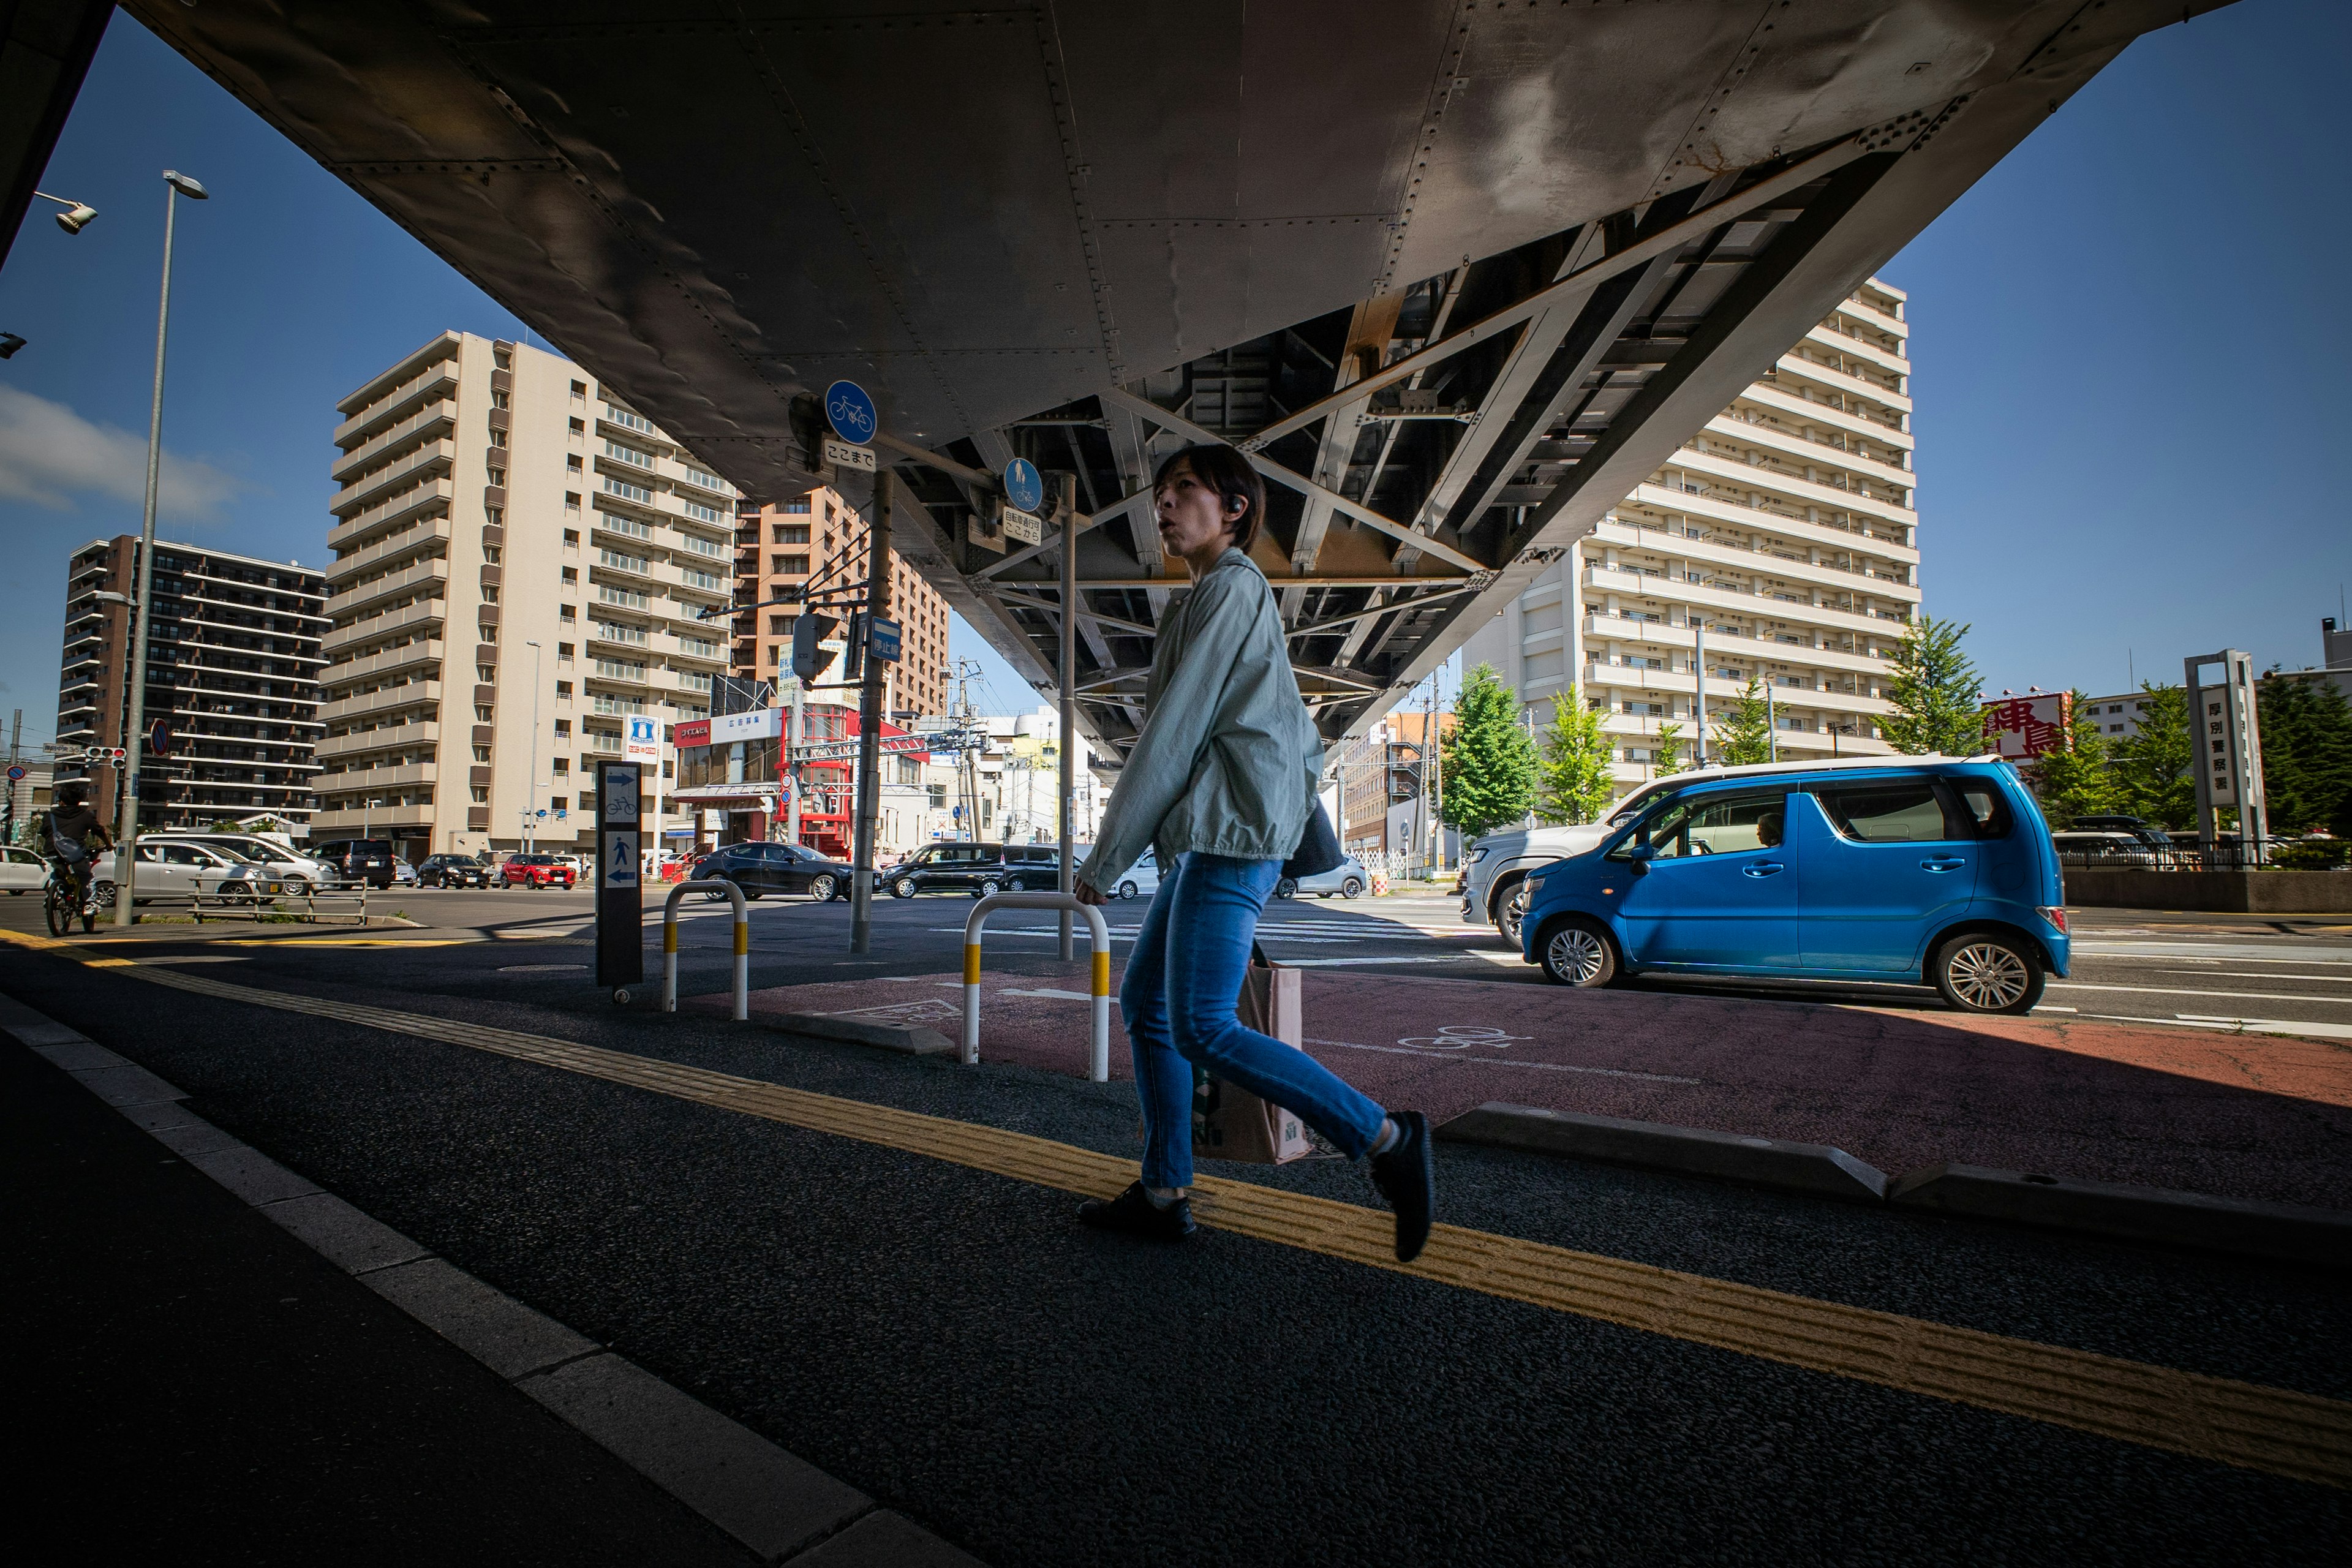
point(1641, 855)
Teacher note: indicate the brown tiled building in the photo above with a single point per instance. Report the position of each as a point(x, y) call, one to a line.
point(820, 539)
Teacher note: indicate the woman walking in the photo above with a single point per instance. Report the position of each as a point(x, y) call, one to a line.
point(1221, 784)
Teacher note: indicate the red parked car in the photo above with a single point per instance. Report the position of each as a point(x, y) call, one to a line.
point(535, 871)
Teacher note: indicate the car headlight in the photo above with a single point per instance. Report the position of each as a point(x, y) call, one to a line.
point(1535, 886)
point(1478, 852)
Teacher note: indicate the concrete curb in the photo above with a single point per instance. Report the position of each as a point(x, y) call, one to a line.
point(912, 1040)
point(1811, 1168)
point(2276, 1233)
point(782, 1508)
point(2286, 1233)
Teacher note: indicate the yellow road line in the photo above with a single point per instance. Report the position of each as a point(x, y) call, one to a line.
point(2279, 1431)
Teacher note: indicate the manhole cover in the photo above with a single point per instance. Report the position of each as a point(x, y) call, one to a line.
point(537, 968)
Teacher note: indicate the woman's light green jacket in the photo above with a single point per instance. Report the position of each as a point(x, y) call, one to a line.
point(1229, 758)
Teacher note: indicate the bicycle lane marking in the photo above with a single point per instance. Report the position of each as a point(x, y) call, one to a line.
point(2248, 1425)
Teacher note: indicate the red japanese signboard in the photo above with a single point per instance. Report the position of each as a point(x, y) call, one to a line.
point(2028, 726)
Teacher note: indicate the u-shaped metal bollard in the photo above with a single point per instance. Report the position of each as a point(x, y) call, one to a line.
point(1098, 1043)
point(742, 944)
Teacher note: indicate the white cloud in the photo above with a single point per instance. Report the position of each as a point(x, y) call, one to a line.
point(49, 454)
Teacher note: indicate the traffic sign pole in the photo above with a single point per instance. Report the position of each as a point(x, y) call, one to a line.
point(1068, 675)
point(620, 886)
point(869, 723)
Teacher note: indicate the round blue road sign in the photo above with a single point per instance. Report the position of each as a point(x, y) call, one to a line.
point(14, 774)
point(850, 412)
point(1023, 486)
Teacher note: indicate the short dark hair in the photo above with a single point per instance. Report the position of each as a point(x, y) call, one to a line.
point(1224, 470)
point(73, 792)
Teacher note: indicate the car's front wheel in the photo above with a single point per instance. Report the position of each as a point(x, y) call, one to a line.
point(1577, 952)
point(1985, 971)
point(904, 887)
point(1127, 889)
point(1514, 910)
point(988, 885)
point(1014, 885)
point(821, 887)
point(715, 895)
point(1353, 888)
point(1286, 888)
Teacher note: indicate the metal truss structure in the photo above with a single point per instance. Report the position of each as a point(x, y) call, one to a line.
point(1457, 274)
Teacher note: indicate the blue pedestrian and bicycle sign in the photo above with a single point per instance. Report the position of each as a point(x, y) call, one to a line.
point(1024, 487)
point(851, 413)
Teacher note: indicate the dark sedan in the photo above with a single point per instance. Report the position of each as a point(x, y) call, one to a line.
point(759, 868)
point(453, 871)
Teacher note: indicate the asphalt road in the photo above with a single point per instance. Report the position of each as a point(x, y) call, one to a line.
point(948, 1340)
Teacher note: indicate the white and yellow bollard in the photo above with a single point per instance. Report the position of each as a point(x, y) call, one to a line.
point(1098, 1031)
point(742, 944)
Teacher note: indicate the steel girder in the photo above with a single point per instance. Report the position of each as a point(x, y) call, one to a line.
point(1457, 273)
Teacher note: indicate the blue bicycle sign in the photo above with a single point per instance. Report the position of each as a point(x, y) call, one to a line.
point(1025, 489)
point(850, 412)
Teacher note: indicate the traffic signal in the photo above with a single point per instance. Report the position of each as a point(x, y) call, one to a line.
point(809, 660)
point(853, 666)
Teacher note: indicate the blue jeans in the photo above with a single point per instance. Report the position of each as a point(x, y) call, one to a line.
point(1184, 982)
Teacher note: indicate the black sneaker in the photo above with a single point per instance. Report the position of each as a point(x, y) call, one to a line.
point(1407, 1176)
point(1134, 1214)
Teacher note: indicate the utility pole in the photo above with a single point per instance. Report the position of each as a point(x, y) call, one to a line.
point(794, 735)
point(1698, 675)
point(16, 752)
point(869, 718)
point(1068, 506)
point(1437, 769)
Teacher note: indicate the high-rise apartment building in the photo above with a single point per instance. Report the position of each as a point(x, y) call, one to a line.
point(819, 538)
point(233, 663)
point(1786, 532)
point(522, 564)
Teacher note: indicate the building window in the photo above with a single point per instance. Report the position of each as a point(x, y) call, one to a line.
point(783, 564)
point(572, 461)
point(564, 726)
point(780, 626)
point(481, 754)
point(571, 538)
point(498, 475)
point(580, 427)
point(566, 612)
point(481, 794)
point(795, 507)
point(580, 389)
point(789, 534)
point(564, 650)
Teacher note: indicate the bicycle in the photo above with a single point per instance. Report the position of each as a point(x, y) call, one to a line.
point(66, 891)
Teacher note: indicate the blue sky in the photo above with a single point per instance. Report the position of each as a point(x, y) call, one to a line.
point(2128, 342)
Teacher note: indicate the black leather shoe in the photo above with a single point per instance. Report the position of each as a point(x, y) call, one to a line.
point(1407, 1176)
point(1134, 1214)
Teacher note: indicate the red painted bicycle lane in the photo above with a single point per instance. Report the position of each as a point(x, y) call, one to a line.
point(2234, 1115)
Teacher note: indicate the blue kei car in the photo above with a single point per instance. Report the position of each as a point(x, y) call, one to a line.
point(1937, 872)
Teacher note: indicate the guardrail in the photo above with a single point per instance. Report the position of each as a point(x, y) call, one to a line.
point(742, 943)
point(1099, 1042)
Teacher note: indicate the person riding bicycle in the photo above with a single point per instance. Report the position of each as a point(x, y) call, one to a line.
point(64, 832)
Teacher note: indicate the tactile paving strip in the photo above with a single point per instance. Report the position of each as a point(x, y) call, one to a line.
point(2279, 1431)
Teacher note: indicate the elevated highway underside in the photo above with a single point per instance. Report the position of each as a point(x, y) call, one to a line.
point(1457, 273)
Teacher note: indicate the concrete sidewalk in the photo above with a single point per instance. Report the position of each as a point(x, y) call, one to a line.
point(2235, 1116)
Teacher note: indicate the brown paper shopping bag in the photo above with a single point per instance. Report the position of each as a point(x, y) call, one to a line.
point(1228, 1122)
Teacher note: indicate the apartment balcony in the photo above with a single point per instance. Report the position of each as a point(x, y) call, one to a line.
point(1788, 442)
point(616, 525)
point(390, 585)
point(434, 421)
point(426, 612)
point(390, 513)
point(1831, 375)
point(1888, 356)
point(1873, 496)
point(1730, 555)
point(1787, 406)
point(630, 675)
point(1600, 628)
point(437, 380)
point(326, 825)
point(437, 458)
point(1730, 514)
point(422, 653)
point(1740, 601)
point(407, 775)
point(432, 533)
point(1677, 684)
point(413, 694)
point(383, 737)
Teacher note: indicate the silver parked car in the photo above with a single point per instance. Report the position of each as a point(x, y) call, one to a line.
point(295, 872)
point(1348, 880)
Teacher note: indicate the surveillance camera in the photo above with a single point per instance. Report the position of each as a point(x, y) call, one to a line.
point(9, 343)
point(73, 218)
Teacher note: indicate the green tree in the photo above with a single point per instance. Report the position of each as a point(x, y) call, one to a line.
point(1934, 692)
point(1743, 733)
point(2076, 780)
point(1488, 762)
point(2306, 728)
point(2151, 768)
point(1666, 753)
point(1572, 782)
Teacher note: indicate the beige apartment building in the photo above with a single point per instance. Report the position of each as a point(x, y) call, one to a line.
point(521, 565)
point(1786, 529)
point(820, 538)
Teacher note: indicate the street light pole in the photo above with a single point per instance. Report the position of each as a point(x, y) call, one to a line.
point(126, 821)
point(529, 823)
